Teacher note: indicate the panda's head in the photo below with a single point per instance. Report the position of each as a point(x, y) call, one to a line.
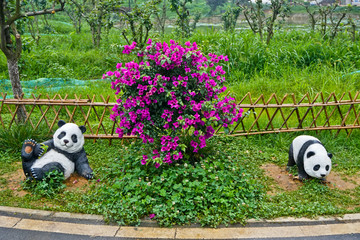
point(69, 137)
point(317, 161)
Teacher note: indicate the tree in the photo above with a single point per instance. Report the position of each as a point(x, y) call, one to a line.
point(75, 15)
point(312, 14)
point(161, 18)
point(139, 22)
point(33, 22)
point(213, 4)
point(11, 45)
point(259, 22)
point(183, 17)
point(230, 17)
point(352, 28)
point(97, 13)
point(329, 13)
point(278, 9)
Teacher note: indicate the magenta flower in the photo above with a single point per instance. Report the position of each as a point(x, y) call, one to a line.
point(151, 216)
point(157, 103)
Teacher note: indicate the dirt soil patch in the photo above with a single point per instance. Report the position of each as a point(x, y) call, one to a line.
point(76, 182)
point(13, 182)
point(288, 182)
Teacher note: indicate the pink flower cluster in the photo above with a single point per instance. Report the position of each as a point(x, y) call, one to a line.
point(175, 88)
point(128, 49)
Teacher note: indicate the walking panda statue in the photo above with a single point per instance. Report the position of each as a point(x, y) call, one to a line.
point(64, 153)
point(310, 156)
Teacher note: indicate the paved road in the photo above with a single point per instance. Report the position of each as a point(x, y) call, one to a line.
point(17, 234)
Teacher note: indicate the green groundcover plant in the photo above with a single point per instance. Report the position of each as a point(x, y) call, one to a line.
point(173, 92)
point(214, 190)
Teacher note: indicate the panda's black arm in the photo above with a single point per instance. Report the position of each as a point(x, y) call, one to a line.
point(82, 165)
point(44, 147)
point(32, 150)
point(49, 143)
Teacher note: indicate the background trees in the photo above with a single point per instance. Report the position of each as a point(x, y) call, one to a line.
point(261, 23)
point(11, 12)
point(214, 4)
point(230, 17)
point(138, 21)
point(180, 7)
point(98, 14)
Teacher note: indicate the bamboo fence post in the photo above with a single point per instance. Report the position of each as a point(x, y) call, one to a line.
point(1, 108)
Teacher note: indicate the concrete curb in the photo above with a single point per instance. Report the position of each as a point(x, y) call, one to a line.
point(98, 219)
point(94, 225)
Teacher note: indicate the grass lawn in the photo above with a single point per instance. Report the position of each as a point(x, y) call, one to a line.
point(232, 180)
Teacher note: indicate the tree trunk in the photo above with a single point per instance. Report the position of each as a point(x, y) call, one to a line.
point(16, 86)
point(96, 35)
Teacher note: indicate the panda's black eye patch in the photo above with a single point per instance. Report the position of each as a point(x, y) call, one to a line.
point(61, 135)
point(316, 167)
point(310, 154)
point(74, 138)
point(327, 167)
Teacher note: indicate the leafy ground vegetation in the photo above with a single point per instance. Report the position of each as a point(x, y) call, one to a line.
point(230, 181)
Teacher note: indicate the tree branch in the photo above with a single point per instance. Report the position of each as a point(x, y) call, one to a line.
point(18, 42)
point(4, 29)
point(249, 22)
point(19, 15)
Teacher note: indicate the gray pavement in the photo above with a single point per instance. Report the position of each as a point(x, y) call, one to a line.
point(19, 223)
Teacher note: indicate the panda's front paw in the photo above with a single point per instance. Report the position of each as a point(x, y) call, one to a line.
point(89, 176)
point(41, 150)
point(27, 150)
point(303, 177)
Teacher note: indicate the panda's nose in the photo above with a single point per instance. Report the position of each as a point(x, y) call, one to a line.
point(323, 175)
point(66, 141)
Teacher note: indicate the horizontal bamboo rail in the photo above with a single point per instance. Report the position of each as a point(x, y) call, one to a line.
point(261, 116)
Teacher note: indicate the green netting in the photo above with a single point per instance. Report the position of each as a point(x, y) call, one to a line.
point(51, 84)
point(349, 74)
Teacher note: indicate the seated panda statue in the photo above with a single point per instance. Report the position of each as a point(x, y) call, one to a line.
point(64, 153)
point(310, 156)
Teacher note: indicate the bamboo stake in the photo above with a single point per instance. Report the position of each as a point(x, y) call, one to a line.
point(1, 107)
point(57, 114)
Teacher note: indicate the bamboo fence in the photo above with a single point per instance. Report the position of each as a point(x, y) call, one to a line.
point(261, 115)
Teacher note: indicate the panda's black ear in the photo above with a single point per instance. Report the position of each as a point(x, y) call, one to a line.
point(330, 155)
point(61, 123)
point(82, 128)
point(310, 154)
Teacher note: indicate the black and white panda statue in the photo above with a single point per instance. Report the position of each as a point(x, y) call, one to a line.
point(310, 156)
point(64, 153)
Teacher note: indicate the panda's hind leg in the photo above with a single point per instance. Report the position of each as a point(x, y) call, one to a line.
point(39, 173)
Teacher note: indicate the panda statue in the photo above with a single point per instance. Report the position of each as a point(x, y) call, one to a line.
point(310, 156)
point(64, 153)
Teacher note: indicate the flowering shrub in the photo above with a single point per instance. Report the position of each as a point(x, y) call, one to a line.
point(174, 91)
